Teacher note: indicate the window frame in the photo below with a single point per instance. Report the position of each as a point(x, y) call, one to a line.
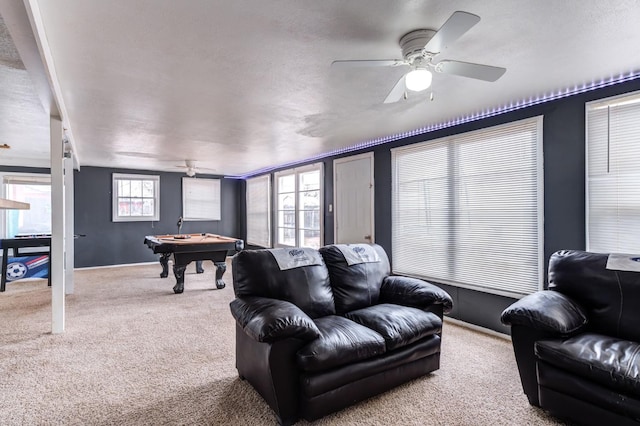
point(454, 201)
point(615, 172)
point(296, 172)
point(264, 180)
point(216, 200)
point(117, 177)
point(20, 177)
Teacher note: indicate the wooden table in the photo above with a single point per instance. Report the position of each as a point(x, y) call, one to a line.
point(185, 248)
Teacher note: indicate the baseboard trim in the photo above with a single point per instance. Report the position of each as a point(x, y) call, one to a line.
point(85, 268)
point(477, 328)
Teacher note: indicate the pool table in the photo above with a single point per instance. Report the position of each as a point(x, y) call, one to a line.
point(185, 248)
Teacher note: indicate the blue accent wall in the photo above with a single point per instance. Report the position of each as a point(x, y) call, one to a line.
point(110, 243)
point(564, 190)
point(113, 243)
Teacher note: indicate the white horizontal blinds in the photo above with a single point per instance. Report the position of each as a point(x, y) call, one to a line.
point(613, 175)
point(259, 211)
point(466, 209)
point(200, 199)
point(421, 205)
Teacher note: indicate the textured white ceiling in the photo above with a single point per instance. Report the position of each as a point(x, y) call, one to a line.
point(243, 85)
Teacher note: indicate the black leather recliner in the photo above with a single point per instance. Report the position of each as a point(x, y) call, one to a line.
point(316, 338)
point(577, 345)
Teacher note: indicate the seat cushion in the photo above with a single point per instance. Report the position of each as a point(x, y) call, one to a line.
point(399, 325)
point(611, 362)
point(341, 341)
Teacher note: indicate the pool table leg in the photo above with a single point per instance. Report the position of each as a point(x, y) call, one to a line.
point(164, 261)
point(221, 267)
point(199, 268)
point(178, 271)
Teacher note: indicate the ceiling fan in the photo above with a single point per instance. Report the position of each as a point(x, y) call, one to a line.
point(420, 47)
point(192, 169)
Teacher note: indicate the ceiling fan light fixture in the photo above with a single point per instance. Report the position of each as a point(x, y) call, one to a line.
point(418, 79)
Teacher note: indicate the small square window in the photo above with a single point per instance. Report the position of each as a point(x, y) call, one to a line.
point(135, 197)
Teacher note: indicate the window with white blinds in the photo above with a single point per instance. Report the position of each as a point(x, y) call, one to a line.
point(259, 211)
point(613, 175)
point(200, 199)
point(467, 209)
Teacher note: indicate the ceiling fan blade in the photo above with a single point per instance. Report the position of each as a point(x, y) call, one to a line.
point(467, 69)
point(368, 63)
point(397, 92)
point(457, 24)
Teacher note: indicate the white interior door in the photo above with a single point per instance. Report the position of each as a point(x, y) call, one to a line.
point(353, 199)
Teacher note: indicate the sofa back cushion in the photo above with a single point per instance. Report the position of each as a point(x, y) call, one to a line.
point(257, 273)
point(610, 297)
point(357, 285)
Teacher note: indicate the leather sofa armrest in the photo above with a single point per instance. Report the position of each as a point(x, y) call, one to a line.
point(547, 311)
point(414, 292)
point(268, 320)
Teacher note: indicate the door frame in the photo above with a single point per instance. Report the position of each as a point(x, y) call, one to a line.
point(337, 161)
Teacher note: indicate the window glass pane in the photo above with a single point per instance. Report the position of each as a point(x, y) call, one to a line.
point(36, 220)
point(136, 207)
point(147, 207)
point(286, 183)
point(136, 188)
point(147, 188)
point(310, 200)
point(310, 238)
point(309, 180)
point(286, 202)
point(124, 188)
point(287, 236)
point(287, 218)
point(124, 207)
point(310, 219)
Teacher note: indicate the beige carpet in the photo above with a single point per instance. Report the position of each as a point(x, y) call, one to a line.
point(135, 353)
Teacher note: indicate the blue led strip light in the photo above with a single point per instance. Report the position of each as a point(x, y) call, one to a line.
point(455, 122)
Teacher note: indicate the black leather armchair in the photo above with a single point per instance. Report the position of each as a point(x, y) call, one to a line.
point(577, 345)
point(315, 338)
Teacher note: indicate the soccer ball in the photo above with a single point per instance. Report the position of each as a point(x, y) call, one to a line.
point(16, 271)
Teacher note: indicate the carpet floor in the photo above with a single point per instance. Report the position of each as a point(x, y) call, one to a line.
point(135, 353)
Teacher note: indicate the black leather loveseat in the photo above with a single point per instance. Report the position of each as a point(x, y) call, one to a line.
point(315, 333)
point(577, 345)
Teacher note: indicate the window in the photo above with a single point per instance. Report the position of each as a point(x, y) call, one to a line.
point(200, 199)
point(32, 189)
point(259, 211)
point(298, 207)
point(467, 210)
point(613, 175)
point(135, 197)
